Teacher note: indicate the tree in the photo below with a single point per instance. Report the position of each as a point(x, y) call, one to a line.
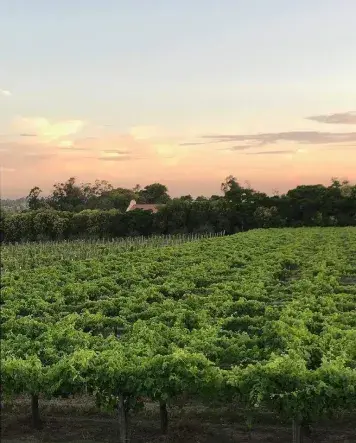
point(187, 198)
point(154, 193)
point(34, 200)
point(216, 197)
point(94, 192)
point(120, 198)
point(70, 196)
point(101, 210)
point(306, 202)
point(232, 190)
point(66, 196)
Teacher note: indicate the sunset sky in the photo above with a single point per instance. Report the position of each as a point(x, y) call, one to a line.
point(178, 92)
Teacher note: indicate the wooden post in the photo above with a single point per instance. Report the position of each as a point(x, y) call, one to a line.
point(36, 421)
point(164, 417)
point(297, 432)
point(123, 422)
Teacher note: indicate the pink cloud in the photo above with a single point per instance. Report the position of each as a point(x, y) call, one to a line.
point(144, 156)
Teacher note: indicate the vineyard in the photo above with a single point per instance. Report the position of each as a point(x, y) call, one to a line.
point(264, 321)
point(34, 254)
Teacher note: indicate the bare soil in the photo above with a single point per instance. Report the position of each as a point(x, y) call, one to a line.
point(79, 421)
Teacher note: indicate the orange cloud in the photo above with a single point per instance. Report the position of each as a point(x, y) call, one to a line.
point(47, 131)
point(147, 154)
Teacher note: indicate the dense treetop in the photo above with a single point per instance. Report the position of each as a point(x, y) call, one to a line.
point(98, 210)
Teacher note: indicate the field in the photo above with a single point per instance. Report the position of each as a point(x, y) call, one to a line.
point(250, 337)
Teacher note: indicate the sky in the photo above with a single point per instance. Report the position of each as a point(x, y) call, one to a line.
point(179, 92)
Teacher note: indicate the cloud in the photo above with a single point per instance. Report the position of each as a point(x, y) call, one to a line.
point(269, 138)
point(46, 130)
point(120, 158)
point(239, 148)
point(344, 118)
point(63, 137)
point(351, 147)
point(73, 148)
point(65, 144)
point(194, 143)
point(117, 155)
point(286, 151)
point(166, 150)
point(145, 132)
point(3, 169)
point(5, 93)
point(115, 151)
point(69, 145)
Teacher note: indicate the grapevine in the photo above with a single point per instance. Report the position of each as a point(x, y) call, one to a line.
point(266, 318)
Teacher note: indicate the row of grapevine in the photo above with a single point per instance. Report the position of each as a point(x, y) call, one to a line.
point(261, 319)
point(31, 255)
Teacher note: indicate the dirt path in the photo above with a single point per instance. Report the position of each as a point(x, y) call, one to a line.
point(77, 421)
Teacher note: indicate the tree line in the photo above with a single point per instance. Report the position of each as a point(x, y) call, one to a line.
point(75, 211)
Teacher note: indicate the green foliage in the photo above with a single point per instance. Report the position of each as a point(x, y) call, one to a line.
point(154, 193)
point(266, 318)
point(98, 211)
